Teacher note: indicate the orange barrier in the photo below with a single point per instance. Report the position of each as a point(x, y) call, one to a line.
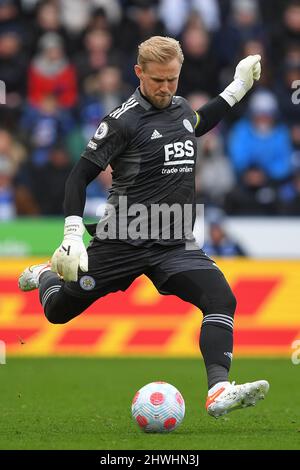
point(142, 322)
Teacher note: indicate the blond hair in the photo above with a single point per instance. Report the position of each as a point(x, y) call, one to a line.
point(159, 49)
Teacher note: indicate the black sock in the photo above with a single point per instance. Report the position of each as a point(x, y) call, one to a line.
point(215, 374)
point(216, 344)
point(50, 284)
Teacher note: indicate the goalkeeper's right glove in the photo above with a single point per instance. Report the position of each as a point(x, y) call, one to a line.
point(247, 70)
point(71, 254)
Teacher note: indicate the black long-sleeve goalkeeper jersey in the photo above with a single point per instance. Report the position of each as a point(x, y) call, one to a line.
point(152, 153)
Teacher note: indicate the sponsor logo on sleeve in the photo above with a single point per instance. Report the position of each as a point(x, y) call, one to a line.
point(92, 145)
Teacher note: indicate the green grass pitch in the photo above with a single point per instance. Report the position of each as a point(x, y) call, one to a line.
point(78, 403)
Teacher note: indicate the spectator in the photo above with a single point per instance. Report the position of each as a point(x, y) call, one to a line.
point(175, 13)
point(254, 194)
point(46, 20)
point(260, 141)
point(76, 14)
point(243, 24)
point(11, 149)
point(43, 186)
point(285, 86)
point(100, 21)
point(98, 53)
point(286, 31)
point(141, 22)
point(51, 73)
point(200, 69)
point(7, 196)
point(110, 9)
point(295, 136)
point(103, 92)
point(10, 18)
point(256, 46)
point(13, 67)
point(220, 243)
point(212, 166)
point(42, 127)
point(289, 196)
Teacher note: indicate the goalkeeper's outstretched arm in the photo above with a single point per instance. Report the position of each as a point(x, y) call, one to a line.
point(71, 254)
point(80, 177)
point(210, 114)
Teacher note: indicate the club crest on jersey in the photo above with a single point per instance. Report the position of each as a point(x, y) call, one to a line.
point(102, 131)
point(188, 125)
point(87, 283)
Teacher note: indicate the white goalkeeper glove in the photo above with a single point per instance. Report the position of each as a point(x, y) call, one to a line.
point(246, 72)
point(71, 254)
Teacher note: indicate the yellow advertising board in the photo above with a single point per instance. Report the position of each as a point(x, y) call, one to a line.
point(142, 322)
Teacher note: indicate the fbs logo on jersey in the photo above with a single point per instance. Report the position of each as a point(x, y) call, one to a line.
point(102, 131)
point(179, 150)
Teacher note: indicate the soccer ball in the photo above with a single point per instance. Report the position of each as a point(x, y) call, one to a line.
point(158, 407)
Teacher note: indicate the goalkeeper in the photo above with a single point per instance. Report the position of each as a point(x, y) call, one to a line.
point(150, 143)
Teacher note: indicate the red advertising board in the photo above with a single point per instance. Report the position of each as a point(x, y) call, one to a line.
point(140, 321)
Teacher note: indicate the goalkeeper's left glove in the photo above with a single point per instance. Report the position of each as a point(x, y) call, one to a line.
point(246, 72)
point(71, 254)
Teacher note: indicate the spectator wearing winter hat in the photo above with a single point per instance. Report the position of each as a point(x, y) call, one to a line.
point(50, 73)
point(260, 140)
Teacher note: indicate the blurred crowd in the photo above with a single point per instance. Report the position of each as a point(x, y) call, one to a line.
point(66, 63)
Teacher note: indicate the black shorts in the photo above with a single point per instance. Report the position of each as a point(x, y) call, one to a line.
point(114, 265)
